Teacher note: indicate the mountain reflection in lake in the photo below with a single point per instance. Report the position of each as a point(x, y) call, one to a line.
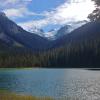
point(58, 83)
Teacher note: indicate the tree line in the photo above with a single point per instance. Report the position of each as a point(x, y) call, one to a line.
point(86, 54)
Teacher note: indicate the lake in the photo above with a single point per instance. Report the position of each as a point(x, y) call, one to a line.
point(58, 83)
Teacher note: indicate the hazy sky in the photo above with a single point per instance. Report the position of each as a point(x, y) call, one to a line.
point(46, 14)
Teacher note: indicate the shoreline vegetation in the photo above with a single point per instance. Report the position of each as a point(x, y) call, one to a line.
point(5, 95)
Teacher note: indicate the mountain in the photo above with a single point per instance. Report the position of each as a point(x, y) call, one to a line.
point(57, 33)
point(68, 29)
point(79, 49)
point(51, 35)
point(63, 31)
point(12, 34)
point(37, 31)
point(54, 34)
point(88, 32)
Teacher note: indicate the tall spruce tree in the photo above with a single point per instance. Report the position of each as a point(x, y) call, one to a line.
point(95, 15)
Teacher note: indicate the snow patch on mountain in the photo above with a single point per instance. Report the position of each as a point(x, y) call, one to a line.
point(57, 33)
point(37, 31)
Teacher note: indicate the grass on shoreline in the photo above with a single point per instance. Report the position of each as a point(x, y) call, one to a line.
point(4, 95)
point(11, 96)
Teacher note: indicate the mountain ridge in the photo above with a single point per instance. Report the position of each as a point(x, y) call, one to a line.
point(15, 32)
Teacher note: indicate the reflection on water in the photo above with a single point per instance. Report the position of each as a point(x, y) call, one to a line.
point(77, 83)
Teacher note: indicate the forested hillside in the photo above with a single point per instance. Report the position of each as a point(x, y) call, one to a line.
point(81, 48)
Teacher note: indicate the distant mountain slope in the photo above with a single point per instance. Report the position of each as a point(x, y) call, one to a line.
point(87, 32)
point(63, 31)
point(11, 32)
point(37, 31)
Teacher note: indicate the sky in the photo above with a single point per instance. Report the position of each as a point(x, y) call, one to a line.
point(46, 14)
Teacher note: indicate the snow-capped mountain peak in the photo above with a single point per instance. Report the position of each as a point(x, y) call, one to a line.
point(51, 34)
point(37, 31)
point(54, 34)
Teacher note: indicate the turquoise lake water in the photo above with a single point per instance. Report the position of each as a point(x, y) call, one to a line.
point(57, 83)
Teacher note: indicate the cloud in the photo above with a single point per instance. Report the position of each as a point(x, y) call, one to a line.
point(20, 12)
point(16, 8)
point(38, 23)
point(66, 13)
point(72, 11)
point(13, 3)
